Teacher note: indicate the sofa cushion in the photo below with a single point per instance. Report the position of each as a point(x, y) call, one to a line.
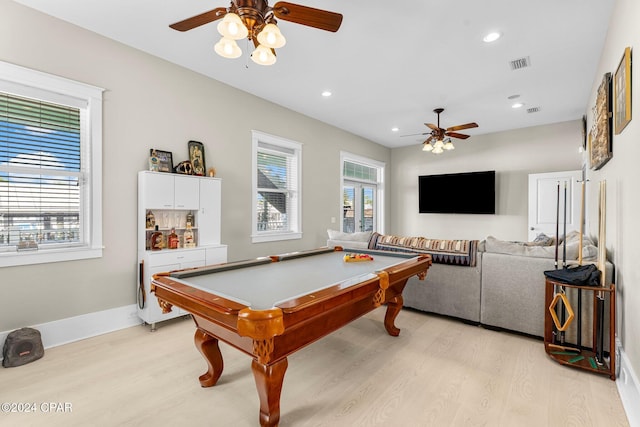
point(498, 246)
point(453, 252)
point(361, 236)
point(589, 251)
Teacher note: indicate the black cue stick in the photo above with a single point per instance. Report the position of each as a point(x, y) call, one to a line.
point(555, 263)
point(564, 258)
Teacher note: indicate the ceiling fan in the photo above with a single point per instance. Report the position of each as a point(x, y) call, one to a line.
point(256, 20)
point(438, 135)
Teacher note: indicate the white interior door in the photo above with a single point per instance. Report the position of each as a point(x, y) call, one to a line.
point(543, 202)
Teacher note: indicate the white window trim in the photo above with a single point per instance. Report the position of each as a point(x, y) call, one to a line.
point(379, 205)
point(23, 81)
point(273, 236)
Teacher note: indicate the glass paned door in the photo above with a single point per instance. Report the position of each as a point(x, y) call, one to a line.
point(358, 207)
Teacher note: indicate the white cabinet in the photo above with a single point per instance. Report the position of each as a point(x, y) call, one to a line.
point(158, 190)
point(187, 192)
point(172, 199)
point(209, 213)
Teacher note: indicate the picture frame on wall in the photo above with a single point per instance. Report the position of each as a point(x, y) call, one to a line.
point(163, 160)
point(196, 156)
point(622, 91)
point(600, 149)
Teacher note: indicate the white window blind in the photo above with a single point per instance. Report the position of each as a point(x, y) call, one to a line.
point(276, 188)
point(39, 183)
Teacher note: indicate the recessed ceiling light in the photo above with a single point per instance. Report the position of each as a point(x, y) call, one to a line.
point(517, 105)
point(395, 129)
point(491, 37)
point(326, 93)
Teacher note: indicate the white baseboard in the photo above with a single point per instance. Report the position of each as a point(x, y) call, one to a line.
point(629, 389)
point(89, 325)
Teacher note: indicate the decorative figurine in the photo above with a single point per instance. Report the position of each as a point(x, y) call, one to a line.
point(151, 220)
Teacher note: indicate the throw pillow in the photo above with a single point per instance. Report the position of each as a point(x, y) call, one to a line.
point(360, 236)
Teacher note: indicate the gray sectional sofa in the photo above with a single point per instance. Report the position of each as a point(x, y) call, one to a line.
point(501, 287)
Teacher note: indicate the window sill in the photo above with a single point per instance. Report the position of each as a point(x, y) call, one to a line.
point(274, 237)
point(14, 259)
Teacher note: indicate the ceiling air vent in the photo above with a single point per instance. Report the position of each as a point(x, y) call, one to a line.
point(533, 109)
point(518, 64)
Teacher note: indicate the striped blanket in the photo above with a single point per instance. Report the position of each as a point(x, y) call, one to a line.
point(453, 252)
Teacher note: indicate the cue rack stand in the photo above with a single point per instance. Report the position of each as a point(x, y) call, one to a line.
point(573, 354)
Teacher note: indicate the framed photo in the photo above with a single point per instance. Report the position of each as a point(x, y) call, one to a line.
point(600, 150)
point(164, 160)
point(196, 156)
point(622, 90)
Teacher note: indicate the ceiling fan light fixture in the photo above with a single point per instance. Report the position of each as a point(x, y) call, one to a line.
point(427, 146)
point(227, 48)
point(448, 145)
point(439, 144)
point(232, 27)
point(271, 37)
point(437, 150)
point(263, 56)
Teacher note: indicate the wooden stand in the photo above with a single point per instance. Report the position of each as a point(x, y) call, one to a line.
point(558, 351)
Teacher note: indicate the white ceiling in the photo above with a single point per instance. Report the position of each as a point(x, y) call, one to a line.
point(392, 62)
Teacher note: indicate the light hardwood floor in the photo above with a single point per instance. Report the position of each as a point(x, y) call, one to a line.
point(438, 372)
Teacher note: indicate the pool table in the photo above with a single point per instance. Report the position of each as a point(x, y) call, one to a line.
point(270, 307)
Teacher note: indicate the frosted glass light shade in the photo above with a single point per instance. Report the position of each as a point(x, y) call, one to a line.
point(232, 27)
point(449, 145)
point(437, 150)
point(427, 147)
point(271, 37)
point(263, 56)
point(227, 48)
point(439, 144)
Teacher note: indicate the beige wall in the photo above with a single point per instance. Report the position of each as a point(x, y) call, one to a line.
point(149, 102)
point(513, 155)
point(622, 176)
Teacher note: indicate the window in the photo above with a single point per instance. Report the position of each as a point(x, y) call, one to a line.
point(50, 168)
point(362, 194)
point(276, 188)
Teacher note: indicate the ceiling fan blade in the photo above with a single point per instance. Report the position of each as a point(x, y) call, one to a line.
point(431, 126)
point(198, 20)
point(416, 134)
point(457, 135)
point(316, 18)
point(428, 140)
point(461, 127)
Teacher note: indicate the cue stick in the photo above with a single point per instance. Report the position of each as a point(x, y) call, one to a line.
point(564, 258)
point(555, 263)
point(557, 225)
point(602, 264)
point(582, 194)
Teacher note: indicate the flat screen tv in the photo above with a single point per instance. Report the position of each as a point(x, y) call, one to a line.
point(458, 193)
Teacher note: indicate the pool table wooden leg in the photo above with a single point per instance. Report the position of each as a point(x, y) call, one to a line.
point(393, 308)
point(208, 347)
point(269, 380)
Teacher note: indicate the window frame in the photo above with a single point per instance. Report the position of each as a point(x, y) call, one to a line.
point(295, 216)
point(379, 184)
point(25, 82)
